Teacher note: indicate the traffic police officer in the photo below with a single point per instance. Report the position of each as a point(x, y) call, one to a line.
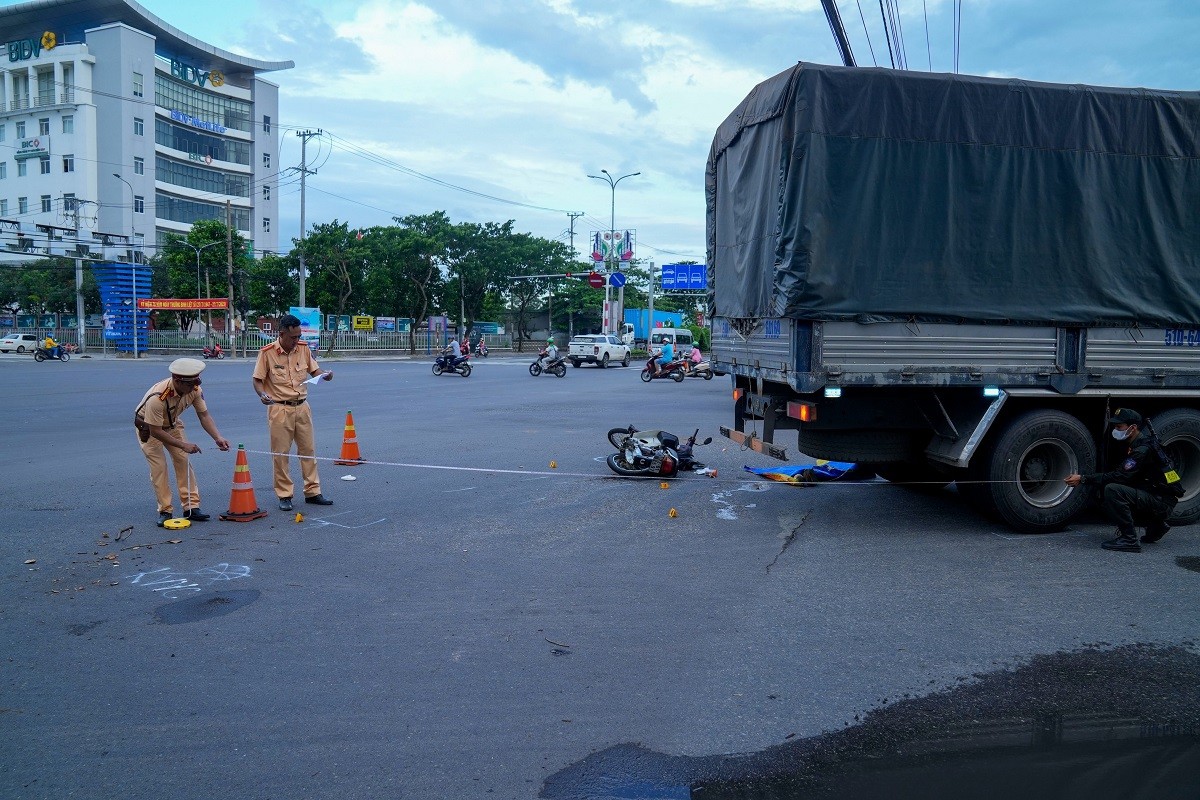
point(160, 430)
point(279, 381)
point(1137, 486)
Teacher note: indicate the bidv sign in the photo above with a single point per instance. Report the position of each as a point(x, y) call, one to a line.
point(190, 74)
point(25, 49)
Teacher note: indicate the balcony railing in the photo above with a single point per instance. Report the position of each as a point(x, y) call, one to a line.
point(20, 104)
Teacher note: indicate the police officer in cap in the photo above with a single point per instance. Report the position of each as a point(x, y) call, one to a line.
point(159, 423)
point(1138, 486)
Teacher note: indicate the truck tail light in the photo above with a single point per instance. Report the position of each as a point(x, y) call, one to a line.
point(805, 412)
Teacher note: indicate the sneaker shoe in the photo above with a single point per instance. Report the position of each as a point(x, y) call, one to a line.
point(285, 504)
point(196, 515)
point(1122, 544)
point(1154, 532)
point(163, 516)
point(319, 500)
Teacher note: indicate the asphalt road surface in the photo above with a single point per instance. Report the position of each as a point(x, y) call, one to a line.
point(487, 612)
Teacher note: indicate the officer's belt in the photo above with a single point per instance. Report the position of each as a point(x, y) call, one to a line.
point(291, 402)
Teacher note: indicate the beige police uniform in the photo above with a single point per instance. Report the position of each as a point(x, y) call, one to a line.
point(289, 418)
point(161, 407)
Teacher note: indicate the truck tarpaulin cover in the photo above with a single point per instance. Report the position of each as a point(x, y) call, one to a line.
point(873, 194)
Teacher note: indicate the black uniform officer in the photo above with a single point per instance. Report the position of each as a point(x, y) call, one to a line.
point(1137, 486)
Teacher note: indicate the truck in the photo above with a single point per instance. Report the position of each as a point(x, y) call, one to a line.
point(638, 323)
point(957, 279)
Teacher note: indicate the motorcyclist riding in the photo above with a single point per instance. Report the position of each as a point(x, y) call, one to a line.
point(455, 352)
point(549, 354)
point(666, 355)
point(51, 346)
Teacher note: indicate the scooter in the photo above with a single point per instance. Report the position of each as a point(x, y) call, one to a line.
point(557, 367)
point(700, 369)
point(482, 349)
point(672, 370)
point(444, 365)
point(41, 354)
point(213, 351)
point(652, 453)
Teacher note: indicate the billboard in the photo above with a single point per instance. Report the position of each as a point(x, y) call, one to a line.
point(613, 246)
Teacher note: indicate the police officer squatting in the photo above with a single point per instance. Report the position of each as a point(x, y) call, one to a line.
point(1143, 488)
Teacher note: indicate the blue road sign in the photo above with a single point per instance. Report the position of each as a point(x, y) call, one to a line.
point(668, 276)
point(616, 279)
point(698, 279)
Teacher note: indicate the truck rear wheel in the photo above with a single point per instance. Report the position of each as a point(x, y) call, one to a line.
point(1179, 432)
point(1027, 466)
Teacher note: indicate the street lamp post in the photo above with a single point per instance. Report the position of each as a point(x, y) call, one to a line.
point(132, 266)
point(199, 250)
point(612, 238)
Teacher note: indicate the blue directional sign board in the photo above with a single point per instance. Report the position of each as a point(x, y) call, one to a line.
point(684, 277)
point(616, 279)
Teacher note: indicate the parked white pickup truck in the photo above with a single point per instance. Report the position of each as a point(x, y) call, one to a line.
point(599, 349)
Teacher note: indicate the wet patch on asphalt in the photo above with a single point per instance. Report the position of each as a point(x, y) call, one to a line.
point(1097, 723)
point(1189, 562)
point(205, 606)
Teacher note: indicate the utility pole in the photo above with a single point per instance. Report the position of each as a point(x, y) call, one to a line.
point(571, 314)
point(71, 209)
point(573, 218)
point(304, 172)
point(230, 322)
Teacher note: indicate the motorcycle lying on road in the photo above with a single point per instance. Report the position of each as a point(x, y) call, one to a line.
point(41, 354)
point(213, 351)
point(656, 454)
point(671, 369)
point(444, 364)
point(557, 367)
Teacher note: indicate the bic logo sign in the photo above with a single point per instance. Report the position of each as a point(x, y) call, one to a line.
point(186, 72)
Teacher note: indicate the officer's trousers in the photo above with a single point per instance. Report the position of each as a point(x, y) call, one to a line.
point(288, 425)
point(156, 456)
point(1125, 503)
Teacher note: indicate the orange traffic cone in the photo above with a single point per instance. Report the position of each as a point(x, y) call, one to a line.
point(243, 507)
point(350, 454)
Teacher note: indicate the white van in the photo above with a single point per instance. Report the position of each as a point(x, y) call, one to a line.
point(682, 338)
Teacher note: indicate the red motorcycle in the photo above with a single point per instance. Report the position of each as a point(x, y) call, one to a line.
point(671, 369)
point(213, 351)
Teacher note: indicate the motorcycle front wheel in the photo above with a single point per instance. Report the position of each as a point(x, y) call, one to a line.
point(646, 376)
point(465, 370)
point(535, 369)
point(64, 356)
point(220, 355)
point(617, 463)
point(437, 368)
point(617, 436)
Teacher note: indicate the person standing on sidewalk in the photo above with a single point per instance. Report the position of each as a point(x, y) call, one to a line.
point(279, 381)
point(1137, 486)
point(157, 419)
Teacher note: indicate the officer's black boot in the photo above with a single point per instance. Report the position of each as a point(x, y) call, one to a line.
point(1155, 531)
point(1126, 541)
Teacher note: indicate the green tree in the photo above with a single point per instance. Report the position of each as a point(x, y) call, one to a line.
point(273, 283)
point(338, 263)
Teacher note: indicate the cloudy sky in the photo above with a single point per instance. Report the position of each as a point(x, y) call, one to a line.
point(509, 105)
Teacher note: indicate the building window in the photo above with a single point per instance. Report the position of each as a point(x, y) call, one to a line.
point(139, 165)
point(20, 130)
point(1, 132)
point(69, 203)
point(44, 126)
point(137, 84)
point(139, 127)
point(266, 224)
point(266, 191)
point(267, 160)
point(3, 170)
point(44, 164)
point(22, 205)
point(68, 123)
point(45, 204)
point(266, 124)
point(3, 208)
point(22, 169)
point(139, 204)
point(69, 163)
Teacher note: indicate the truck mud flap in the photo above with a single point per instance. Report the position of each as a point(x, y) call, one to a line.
point(751, 442)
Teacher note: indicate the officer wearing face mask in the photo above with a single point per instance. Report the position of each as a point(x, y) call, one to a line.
point(1137, 486)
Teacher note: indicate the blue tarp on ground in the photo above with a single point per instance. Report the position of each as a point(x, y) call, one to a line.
point(805, 474)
